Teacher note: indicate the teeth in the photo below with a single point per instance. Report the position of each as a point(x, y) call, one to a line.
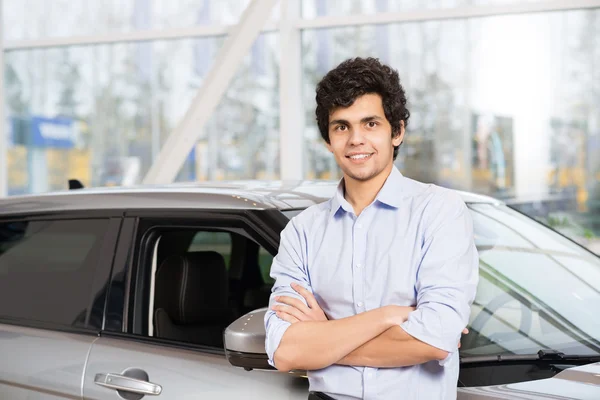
point(359, 156)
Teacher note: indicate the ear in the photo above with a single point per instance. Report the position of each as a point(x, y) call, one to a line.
point(396, 140)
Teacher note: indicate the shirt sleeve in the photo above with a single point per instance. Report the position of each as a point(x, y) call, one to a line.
point(288, 266)
point(447, 278)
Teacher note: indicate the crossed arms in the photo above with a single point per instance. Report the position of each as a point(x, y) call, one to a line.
point(312, 342)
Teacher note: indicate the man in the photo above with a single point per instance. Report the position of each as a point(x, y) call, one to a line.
point(374, 286)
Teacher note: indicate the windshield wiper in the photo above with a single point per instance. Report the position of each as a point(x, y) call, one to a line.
point(542, 355)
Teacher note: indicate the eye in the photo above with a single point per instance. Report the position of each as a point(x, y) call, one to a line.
point(341, 128)
point(372, 124)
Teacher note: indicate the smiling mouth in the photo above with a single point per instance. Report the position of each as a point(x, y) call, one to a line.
point(360, 157)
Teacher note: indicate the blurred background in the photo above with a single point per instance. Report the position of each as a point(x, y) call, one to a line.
point(504, 96)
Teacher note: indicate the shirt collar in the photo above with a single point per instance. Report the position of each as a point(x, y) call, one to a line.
point(390, 194)
point(338, 201)
point(393, 189)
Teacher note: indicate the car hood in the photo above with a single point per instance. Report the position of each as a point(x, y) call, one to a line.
point(581, 383)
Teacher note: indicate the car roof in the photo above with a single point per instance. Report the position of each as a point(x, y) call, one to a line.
point(222, 195)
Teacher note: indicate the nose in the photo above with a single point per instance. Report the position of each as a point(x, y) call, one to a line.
point(357, 137)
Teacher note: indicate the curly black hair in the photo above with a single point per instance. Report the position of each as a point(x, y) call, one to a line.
point(356, 77)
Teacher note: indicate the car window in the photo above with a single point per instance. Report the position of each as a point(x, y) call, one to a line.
point(265, 259)
point(536, 289)
point(216, 277)
point(214, 241)
point(47, 269)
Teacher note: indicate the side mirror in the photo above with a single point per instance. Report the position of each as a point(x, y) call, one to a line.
point(244, 341)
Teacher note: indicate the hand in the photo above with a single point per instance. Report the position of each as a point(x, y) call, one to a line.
point(397, 315)
point(294, 310)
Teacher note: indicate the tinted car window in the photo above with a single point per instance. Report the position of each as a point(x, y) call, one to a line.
point(213, 241)
point(211, 299)
point(47, 269)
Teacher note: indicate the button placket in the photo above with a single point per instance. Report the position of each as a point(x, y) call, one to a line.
point(369, 382)
point(359, 260)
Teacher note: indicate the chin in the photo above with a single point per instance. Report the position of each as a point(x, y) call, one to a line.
point(361, 175)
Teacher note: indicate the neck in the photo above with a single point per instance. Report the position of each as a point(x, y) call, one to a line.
point(362, 193)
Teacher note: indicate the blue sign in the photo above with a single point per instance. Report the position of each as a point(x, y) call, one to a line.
point(52, 132)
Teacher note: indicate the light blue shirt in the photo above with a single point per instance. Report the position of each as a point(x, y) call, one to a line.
point(413, 246)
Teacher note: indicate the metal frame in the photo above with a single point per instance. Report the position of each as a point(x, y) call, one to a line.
point(289, 27)
point(137, 36)
point(291, 119)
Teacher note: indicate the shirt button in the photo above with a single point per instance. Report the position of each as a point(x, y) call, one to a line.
point(359, 304)
point(359, 226)
point(358, 265)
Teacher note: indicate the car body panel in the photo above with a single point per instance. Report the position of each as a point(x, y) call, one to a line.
point(186, 374)
point(577, 383)
point(41, 364)
point(251, 195)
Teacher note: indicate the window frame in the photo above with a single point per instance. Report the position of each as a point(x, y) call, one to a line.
point(102, 269)
point(261, 226)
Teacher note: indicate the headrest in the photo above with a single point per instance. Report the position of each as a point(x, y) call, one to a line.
point(193, 287)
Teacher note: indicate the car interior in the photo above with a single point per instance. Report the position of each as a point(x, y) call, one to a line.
point(203, 281)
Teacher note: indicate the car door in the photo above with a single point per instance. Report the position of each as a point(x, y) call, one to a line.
point(157, 347)
point(53, 277)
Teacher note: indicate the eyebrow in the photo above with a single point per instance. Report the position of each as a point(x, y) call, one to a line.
point(362, 121)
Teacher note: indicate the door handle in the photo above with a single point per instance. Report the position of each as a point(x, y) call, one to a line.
point(127, 384)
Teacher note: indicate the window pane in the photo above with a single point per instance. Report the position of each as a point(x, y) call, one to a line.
point(213, 241)
point(194, 299)
point(47, 269)
point(536, 288)
point(241, 139)
point(102, 113)
point(265, 260)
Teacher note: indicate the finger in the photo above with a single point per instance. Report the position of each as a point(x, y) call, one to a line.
point(292, 301)
point(292, 311)
point(465, 331)
point(287, 317)
point(308, 296)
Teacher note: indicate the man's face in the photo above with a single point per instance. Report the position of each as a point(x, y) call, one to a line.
point(360, 138)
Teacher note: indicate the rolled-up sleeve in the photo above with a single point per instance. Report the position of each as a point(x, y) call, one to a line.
point(447, 278)
point(288, 267)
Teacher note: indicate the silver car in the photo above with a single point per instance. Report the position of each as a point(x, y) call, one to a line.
point(159, 292)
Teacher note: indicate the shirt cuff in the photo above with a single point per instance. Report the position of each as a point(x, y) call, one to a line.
point(414, 328)
point(275, 332)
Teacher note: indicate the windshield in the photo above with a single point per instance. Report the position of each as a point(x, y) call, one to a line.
point(537, 289)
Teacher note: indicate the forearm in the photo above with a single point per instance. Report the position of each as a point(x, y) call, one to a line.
point(314, 345)
point(392, 348)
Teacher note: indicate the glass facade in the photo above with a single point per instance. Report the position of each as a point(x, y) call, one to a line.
point(100, 114)
point(510, 113)
point(41, 19)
